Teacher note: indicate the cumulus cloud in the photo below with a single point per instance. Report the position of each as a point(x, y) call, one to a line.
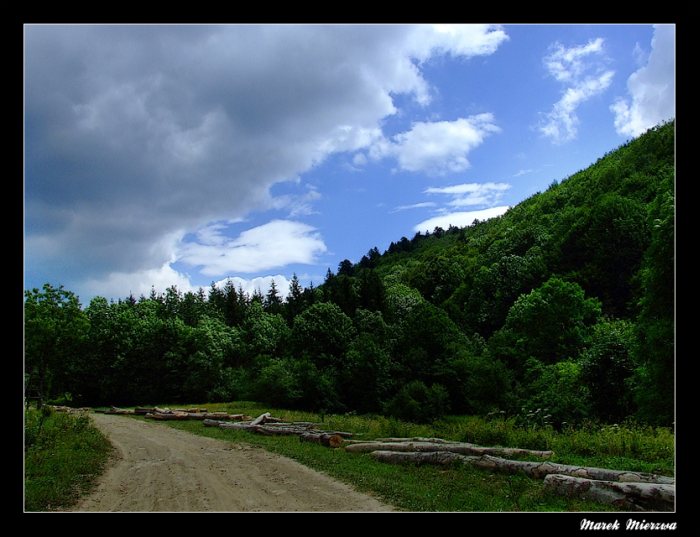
point(272, 245)
point(121, 284)
point(652, 88)
point(581, 69)
point(439, 147)
point(261, 283)
point(461, 40)
point(459, 218)
point(136, 133)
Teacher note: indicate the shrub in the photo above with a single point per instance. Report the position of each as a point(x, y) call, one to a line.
point(416, 402)
point(277, 385)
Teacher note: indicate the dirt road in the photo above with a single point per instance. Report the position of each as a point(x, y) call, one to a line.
point(158, 468)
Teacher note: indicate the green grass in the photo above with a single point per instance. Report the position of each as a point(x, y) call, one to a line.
point(458, 488)
point(64, 454)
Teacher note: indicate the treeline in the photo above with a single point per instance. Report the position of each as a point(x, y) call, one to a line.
point(564, 304)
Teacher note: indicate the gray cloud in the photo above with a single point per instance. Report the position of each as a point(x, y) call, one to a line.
point(136, 135)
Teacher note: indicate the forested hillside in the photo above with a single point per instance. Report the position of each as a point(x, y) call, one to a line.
point(564, 304)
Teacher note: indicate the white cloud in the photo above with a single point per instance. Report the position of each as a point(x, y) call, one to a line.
point(459, 219)
point(272, 245)
point(462, 40)
point(470, 194)
point(566, 64)
point(121, 284)
point(520, 173)
point(359, 159)
point(439, 147)
point(420, 205)
point(261, 283)
point(134, 133)
point(468, 188)
point(651, 88)
point(562, 122)
point(582, 70)
point(297, 205)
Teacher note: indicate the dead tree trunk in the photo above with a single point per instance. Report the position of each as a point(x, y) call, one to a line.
point(630, 496)
point(457, 447)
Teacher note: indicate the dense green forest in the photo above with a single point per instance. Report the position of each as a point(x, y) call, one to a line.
point(564, 304)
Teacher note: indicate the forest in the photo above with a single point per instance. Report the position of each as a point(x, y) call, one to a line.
point(561, 311)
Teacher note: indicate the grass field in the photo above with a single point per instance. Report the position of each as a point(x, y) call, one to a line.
point(64, 454)
point(458, 488)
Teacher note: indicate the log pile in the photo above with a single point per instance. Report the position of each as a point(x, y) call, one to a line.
point(163, 414)
point(68, 409)
point(635, 491)
point(267, 425)
point(190, 414)
point(453, 447)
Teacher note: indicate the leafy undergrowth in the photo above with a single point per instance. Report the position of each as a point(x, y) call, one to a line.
point(64, 454)
point(458, 488)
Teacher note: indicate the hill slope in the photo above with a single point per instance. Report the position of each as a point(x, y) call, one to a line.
point(607, 229)
point(564, 303)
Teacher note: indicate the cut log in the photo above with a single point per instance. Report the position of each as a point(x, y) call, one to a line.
point(195, 416)
point(212, 423)
point(629, 496)
point(541, 469)
point(537, 470)
point(167, 417)
point(258, 429)
point(216, 415)
point(328, 440)
point(417, 439)
point(299, 424)
point(69, 409)
point(225, 416)
point(342, 434)
point(457, 447)
point(144, 410)
point(441, 458)
point(260, 419)
point(115, 410)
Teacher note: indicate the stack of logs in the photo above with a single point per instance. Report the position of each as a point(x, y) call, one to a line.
point(267, 425)
point(68, 409)
point(155, 413)
point(634, 491)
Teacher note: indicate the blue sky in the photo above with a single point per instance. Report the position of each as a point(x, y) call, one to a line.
point(181, 155)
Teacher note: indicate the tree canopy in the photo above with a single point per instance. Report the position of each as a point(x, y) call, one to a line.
point(566, 302)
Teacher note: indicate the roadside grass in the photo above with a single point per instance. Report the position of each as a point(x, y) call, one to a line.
point(63, 456)
point(460, 487)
